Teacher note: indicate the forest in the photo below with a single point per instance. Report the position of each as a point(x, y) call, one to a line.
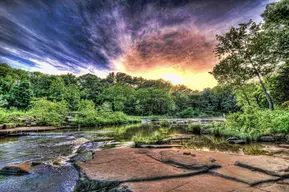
point(252, 91)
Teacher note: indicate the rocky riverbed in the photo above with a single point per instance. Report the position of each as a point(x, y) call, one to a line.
point(102, 159)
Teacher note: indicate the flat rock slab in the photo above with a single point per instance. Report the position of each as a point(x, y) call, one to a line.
point(270, 165)
point(274, 187)
point(243, 175)
point(183, 158)
point(126, 164)
point(186, 170)
point(201, 183)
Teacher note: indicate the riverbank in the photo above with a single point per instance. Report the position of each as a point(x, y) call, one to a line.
point(20, 130)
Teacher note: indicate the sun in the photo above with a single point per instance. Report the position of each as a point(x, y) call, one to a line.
point(175, 79)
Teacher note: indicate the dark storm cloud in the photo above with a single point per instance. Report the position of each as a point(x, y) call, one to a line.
point(72, 35)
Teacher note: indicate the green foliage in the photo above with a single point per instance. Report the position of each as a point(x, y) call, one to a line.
point(194, 128)
point(4, 117)
point(154, 101)
point(90, 116)
point(49, 112)
point(257, 122)
point(157, 137)
point(189, 112)
point(164, 123)
point(20, 95)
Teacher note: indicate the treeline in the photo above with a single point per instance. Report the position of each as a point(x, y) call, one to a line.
point(254, 61)
point(118, 92)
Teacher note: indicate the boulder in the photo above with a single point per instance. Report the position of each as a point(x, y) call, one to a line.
point(9, 126)
point(266, 138)
point(235, 140)
point(280, 137)
point(19, 169)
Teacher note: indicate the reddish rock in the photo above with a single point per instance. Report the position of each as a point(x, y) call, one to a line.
point(270, 165)
point(160, 170)
point(200, 183)
point(18, 169)
point(127, 164)
point(243, 175)
point(274, 187)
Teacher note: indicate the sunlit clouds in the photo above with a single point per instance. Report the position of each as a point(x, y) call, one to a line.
point(173, 40)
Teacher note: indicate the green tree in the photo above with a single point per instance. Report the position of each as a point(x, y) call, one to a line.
point(230, 72)
point(20, 95)
point(152, 100)
point(249, 44)
point(120, 96)
point(92, 86)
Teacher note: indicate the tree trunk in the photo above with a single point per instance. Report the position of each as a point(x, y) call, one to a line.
point(268, 97)
point(245, 94)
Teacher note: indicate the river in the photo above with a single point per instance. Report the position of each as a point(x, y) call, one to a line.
point(51, 151)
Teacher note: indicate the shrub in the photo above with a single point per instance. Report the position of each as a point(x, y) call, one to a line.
point(49, 112)
point(157, 137)
point(164, 122)
point(4, 117)
point(258, 122)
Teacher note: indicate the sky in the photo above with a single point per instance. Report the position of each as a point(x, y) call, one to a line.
point(169, 39)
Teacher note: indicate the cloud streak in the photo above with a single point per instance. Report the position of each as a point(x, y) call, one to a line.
point(133, 36)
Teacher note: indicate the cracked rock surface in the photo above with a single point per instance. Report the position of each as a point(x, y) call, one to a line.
point(163, 170)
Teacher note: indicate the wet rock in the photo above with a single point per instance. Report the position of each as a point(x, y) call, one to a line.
point(20, 169)
point(1, 126)
point(266, 138)
point(84, 156)
point(235, 140)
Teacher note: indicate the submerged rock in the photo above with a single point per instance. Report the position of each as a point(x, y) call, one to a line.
point(235, 140)
point(20, 169)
